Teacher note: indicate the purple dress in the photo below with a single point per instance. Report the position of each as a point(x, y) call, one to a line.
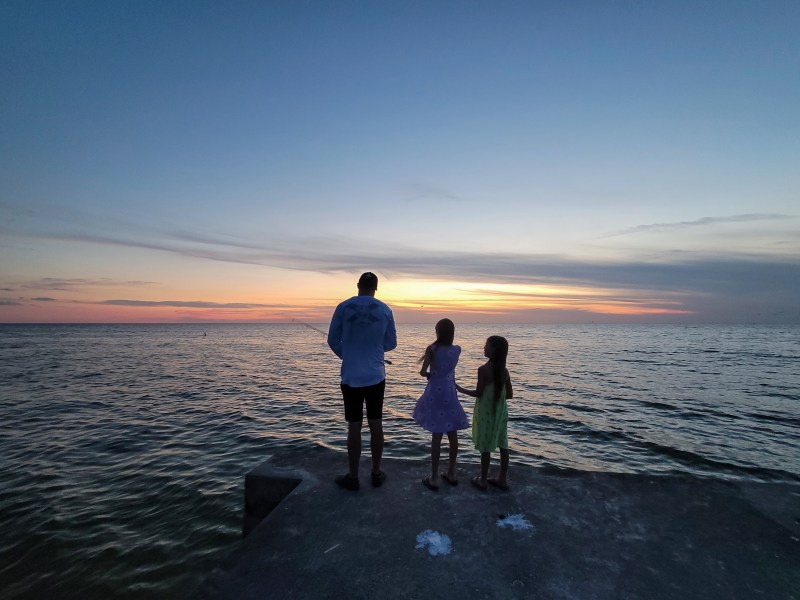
point(438, 409)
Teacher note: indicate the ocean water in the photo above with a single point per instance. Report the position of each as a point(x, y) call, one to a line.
point(123, 448)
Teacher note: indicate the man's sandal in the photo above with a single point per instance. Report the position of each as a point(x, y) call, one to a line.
point(347, 482)
point(378, 479)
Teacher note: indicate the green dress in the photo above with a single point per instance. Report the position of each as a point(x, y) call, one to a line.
point(490, 421)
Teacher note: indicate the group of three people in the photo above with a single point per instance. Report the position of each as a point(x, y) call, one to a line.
point(361, 331)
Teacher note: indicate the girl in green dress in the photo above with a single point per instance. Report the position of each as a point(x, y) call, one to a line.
point(490, 418)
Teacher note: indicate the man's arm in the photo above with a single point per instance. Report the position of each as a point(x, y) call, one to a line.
point(335, 333)
point(390, 337)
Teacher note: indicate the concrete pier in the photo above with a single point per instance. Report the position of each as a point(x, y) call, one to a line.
point(553, 535)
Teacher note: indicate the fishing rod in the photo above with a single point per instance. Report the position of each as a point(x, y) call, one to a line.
point(317, 329)
point(325, 333)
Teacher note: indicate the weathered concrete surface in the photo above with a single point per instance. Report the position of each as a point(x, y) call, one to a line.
point(593, 535)
point(265, 487)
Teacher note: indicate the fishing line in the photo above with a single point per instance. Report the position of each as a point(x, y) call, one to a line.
point(317, 329)
point(325, 333)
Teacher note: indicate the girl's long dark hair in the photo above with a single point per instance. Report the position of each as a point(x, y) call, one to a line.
point(499, 346)
point(445, 333)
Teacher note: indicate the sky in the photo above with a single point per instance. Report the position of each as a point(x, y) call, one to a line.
point(534, 162)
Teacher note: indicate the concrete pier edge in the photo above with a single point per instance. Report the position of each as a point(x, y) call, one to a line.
point(265, 487)
point(590, 535)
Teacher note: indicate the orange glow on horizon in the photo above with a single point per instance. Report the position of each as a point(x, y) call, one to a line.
point(495, 299)
point(412, 301)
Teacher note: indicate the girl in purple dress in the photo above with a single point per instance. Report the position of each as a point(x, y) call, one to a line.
point(438, 409)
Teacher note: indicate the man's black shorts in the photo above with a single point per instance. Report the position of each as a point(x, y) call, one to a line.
point(355, 397)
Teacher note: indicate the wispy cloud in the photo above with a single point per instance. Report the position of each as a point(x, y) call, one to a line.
point(706, 273)
point(703, 222)
point(679, 271)
point(428, 192)
point(725, 276)
point(193, 304)
point(7, 302)
point(67, 284)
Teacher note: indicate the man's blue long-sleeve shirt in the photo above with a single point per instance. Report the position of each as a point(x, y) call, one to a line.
point(361, 330)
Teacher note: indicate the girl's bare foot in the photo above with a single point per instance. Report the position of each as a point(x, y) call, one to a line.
point(429, 483)
point(498, 484)
point(481, 485)
point(449, 479)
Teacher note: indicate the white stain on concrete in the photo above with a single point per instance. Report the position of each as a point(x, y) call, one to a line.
point(437, 543)
point(515, 522)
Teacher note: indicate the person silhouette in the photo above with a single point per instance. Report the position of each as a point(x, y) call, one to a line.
point(438, 409)
point(490, 417)
point(361, 330)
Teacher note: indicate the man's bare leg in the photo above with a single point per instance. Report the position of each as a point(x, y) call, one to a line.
point(353, 447)
point(375, 443)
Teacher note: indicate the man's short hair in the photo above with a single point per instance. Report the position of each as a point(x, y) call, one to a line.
point(368, 281)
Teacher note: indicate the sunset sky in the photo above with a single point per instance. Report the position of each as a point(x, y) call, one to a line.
point(553, 162)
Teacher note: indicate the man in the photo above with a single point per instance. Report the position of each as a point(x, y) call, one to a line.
point(362, 329)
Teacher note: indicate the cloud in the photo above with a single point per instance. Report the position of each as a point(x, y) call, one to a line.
point(44, 299)
point(427, 192)
point(671, 271)
point(715, 289)
point(58, 284)
point(336, 254)
point(191, 304)
point(702, 278)
point(703, 222)
point(685, 274)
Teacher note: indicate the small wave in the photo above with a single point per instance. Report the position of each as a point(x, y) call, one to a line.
point(642, 361)
point(576, 428)
point(121, 446)
point(583, 408)
point(188, 395)
point(775, 356)
point(684, 413)
point(555, 469)
point(781, 395)
point(692, 459)
point(694, 415)
point(658, 405)
point(782, 419)
point(544, 420)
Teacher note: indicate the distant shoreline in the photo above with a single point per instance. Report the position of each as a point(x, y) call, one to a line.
point(416, 323)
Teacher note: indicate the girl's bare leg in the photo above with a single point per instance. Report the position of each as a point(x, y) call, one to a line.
point(452, 438)
point(502, 478)
point(436, 446)
point(486, 458)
